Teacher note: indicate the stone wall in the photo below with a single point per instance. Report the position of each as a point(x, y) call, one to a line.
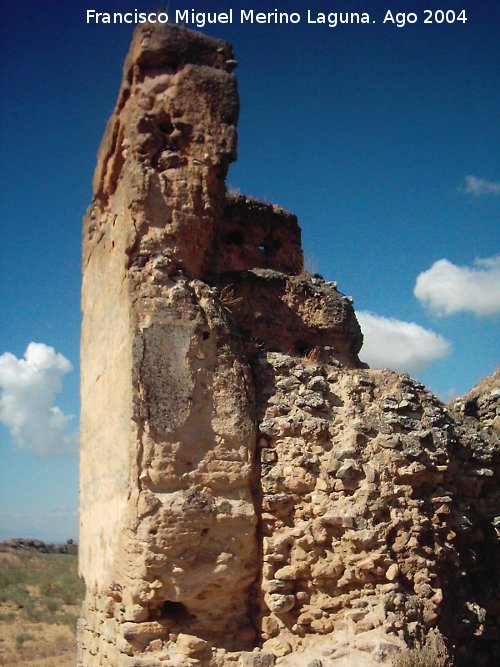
point(251, 493)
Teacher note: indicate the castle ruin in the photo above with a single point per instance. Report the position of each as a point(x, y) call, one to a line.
point(251, 493)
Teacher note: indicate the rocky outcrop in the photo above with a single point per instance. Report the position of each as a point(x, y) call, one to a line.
point(481, 403)
point(251, 493)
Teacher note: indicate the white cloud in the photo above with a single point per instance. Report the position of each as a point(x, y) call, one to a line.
point(28, 388)
point(446, 288)
point(481, 186)
point(399, 345)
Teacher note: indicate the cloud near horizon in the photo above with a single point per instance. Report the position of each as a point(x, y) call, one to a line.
point(446, 288)
point(481, 186)
point(28, 388)
point(399, 345)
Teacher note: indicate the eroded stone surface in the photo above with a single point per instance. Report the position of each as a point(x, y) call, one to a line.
point(168, 439)
point(251, 494)
point(372, 497)
point(482, 403)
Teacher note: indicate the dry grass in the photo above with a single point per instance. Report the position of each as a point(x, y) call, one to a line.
point(310, 265)
point(40, 597)
point(311, 357)
point(227, 296)
point(431, 654)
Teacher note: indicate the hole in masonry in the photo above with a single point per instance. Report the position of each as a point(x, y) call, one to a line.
point(175, 611)
point(206, 335)
point(471, 409)
point(236, 237)
point(204, 531)
point(164, 124)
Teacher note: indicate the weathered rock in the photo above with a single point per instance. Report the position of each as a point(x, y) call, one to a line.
point(296, 314)
point(250, 492)
point(168, 429)
point(482, 403)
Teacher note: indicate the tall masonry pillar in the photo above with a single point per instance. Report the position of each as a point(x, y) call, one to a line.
point(168, 546)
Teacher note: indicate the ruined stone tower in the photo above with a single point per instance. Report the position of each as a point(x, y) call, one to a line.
point(248, 490)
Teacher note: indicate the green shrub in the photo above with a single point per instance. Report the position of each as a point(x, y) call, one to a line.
point(21, 638)
point(51, 588)
point(69, 620)
point(52, 604)
point(7, 616)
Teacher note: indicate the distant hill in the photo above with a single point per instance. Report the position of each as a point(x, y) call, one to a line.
point(26, 543)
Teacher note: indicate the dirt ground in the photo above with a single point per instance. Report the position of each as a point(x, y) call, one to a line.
point(40, 597)
point(35, 644)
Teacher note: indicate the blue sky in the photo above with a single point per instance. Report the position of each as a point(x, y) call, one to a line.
point(368, 133)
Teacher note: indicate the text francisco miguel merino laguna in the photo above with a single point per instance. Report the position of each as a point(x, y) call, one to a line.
point(201, 19)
